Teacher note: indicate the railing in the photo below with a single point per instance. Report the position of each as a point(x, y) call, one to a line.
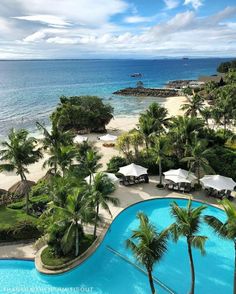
point(162, 285)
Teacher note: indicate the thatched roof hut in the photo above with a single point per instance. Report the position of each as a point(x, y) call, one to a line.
point(21, 188)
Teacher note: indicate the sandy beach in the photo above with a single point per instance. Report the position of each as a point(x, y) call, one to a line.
point(116, 127)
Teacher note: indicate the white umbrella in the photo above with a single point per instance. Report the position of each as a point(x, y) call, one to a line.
point(218, 182)
point(79, 139)
point(108, 137)
point(111, 176)
point(180, 175)
point(133, 170)
point(177, 179)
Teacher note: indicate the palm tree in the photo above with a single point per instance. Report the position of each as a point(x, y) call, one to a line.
point(206, 115)
point(18, 153)
point(53, 142)
point(197, 161)
point(147, 245)
point(187, 224)
point(153, 121)
point(75, 212)
point(102, 187)
point(159, 114)
point(182, 131)
point(227, 229)
point(90, 162)
point(63, 157)
point(146, 128)
point(161, 150)
point(194, 105)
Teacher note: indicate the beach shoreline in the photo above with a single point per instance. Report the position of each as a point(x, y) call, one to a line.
point(117, 126)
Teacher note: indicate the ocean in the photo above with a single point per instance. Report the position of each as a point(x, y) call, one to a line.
point(30, 90)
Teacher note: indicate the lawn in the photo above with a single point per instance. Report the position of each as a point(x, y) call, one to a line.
point(9, 217)
point(48, 258)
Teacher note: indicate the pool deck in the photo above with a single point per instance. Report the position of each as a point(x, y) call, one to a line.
point(127, 196)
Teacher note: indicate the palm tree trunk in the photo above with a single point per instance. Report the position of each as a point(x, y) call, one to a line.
point(192, 268)
point(23, 179)
point(151, 281)
point(160, 172)
point(146, 143)
point(234, 266)
point(76, 240)
point(198, 174)
point(96, 221)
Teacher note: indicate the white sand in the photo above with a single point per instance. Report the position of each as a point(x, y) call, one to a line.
point(115, 127)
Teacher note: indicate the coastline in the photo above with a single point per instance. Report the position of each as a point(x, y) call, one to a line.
point(117, 125)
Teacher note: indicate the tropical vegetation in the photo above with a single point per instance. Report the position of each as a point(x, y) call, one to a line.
point(187, 225)
point(226, 229)
point(148, 246)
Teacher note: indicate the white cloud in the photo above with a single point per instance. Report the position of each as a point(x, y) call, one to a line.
point(70, 29)
point(51, 20)
point(195, 3)
point(138, 19)
point(76, 11)
point(171, 4)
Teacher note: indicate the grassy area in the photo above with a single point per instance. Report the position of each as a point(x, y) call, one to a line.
point(48, 258)
point(10, 217)
point(21, 204)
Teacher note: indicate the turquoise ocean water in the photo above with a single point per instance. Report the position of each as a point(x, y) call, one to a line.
point(29, 90)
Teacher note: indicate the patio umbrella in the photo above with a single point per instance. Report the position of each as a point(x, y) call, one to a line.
point(111, 176)
point(108, 138)
point(218, 182)
point(79, 139)
point(133, 170)
point(178, 179)
point(179, 175)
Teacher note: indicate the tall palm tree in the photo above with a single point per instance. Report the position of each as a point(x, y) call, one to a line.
point(161, 150)
point(206, 115)
point(197, 161)
point(227, 229)
point(75, 212)
point(146, 128)
point(194, 106)
point(148, 245)
point(159, 114)
point(63, 157)
point(102, 187)
point(153, 121)
point(17, 153)
point(90, 163)
point(182, 130)
point(187, 224)
point(53, 142)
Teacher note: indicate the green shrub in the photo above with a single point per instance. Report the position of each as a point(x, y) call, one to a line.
point(223, 161)
point(22, 230)
point(49, 257)
point(149, 161)
point(115, 163)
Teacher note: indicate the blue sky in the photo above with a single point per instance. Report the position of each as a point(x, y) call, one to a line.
point(117, 28)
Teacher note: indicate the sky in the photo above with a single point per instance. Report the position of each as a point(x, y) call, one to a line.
point(44, 29)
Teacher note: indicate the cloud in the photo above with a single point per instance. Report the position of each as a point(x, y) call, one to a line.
point(51, 20)
point(68, 29)
point(139, 19)
point(171, 4)
point(195, 3)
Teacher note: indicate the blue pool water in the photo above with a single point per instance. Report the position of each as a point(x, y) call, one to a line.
point(30, 90)
point(105, 272)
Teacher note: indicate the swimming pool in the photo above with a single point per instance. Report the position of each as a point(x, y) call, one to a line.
point(106, 272)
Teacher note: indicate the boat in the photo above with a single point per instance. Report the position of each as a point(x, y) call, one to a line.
point(136, 75)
